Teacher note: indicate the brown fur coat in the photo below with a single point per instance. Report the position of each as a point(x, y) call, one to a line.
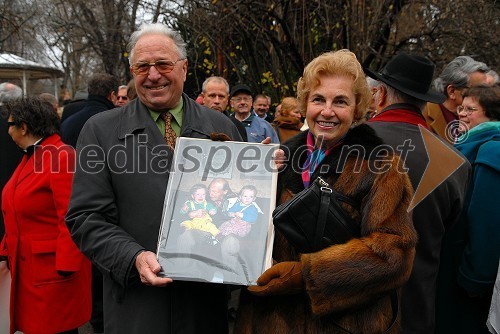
point(348, 284)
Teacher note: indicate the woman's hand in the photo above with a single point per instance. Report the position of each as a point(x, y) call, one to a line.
point(279, 155)
point(281, 279)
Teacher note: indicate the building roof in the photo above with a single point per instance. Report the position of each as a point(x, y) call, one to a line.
point(15, 67)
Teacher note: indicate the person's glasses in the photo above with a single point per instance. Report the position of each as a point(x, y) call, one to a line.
point(467, 110)
point(124, 98)
point(162, 66)
point(239, 99)
point(11, 123)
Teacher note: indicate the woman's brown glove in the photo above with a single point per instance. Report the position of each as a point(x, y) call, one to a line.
point(284, 278)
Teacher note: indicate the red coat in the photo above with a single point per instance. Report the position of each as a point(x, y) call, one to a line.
point(38, 244)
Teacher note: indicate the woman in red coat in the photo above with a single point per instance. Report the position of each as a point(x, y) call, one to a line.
point(50, 290)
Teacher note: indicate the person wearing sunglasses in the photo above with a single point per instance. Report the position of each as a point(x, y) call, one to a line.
point(121, 97)
point(473, 249)
point(51, 278)
point(119, 188)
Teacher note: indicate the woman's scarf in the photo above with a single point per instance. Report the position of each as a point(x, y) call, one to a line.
point(315, 155)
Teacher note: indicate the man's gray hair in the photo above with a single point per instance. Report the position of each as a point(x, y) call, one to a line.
point(156, 28)
point(50, 99)
point(214, 79)
point(10, 92)
point(395, 96)
point(494, 76)
point(372, 83)
point(457, 73)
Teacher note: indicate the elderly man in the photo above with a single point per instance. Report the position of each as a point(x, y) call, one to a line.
point(119, 187)
point(215, 95)
point(121, 96)
point(460, 73)
point(257, 128)
point(261, 106)
point(50, 99)
point(402, 92)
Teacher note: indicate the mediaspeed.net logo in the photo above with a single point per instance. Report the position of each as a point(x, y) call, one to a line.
point(443, 161)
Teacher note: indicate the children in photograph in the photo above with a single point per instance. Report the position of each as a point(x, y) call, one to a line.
point(244, 212)
point(200, 211)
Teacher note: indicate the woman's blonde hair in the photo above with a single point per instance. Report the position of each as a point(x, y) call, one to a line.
point(287, 105)
point(342, 62)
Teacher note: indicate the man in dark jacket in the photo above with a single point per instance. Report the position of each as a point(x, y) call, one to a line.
point(402, 92)
point(74, 105)
point(119, 186)
point(102, 95)
point(215, 94)
point(102, 90)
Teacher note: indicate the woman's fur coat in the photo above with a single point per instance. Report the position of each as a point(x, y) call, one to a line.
point(346, 285)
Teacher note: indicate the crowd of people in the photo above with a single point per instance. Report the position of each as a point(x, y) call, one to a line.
point(79, 236)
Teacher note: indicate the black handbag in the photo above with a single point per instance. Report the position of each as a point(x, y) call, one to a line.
point(314, 218)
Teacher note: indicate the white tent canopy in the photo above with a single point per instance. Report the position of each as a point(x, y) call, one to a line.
point(15, 67)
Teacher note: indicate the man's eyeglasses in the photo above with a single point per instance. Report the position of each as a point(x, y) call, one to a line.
point(467, 110)
point(124, 98)
point(11, 123)
point(239, 99)
point(162, 66)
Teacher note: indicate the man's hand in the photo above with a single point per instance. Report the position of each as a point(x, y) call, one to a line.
point(284, 278)
point(266, 141)
point(148, 267)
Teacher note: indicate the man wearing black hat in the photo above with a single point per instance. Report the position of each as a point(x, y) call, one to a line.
point(400, 98)
point(257, 128)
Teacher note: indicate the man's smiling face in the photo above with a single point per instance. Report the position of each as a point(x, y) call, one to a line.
point(159, 91)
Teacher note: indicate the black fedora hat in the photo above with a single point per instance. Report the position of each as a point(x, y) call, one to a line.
point(411, 75)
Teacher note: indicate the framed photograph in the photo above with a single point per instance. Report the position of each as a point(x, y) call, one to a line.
point(216, 224)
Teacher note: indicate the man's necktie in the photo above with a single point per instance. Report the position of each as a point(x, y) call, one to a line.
point(170, 135)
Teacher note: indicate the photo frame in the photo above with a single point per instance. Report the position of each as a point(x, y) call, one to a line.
point(217, 216)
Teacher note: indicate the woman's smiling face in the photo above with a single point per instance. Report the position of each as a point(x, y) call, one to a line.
point(330, 108)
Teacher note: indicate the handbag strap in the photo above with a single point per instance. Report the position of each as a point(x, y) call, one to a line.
point(322, 215)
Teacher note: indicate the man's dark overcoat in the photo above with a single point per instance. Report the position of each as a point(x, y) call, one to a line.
point(432, 217)
point(115, 212)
